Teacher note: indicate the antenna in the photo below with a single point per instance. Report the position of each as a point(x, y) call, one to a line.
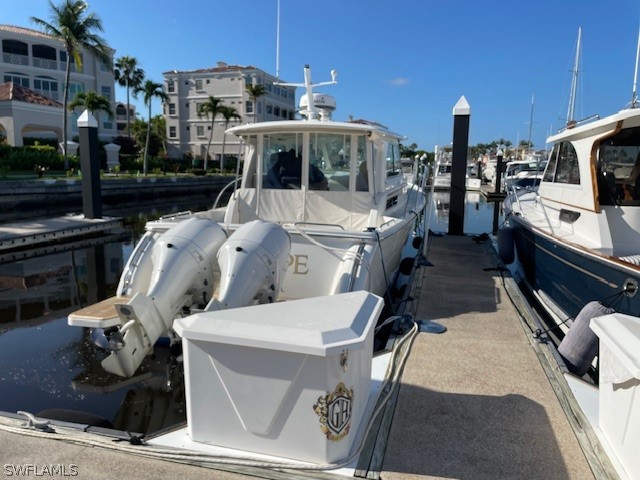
point(574, 81)
point(634, 95)
point(278, 39)
point(312, 111)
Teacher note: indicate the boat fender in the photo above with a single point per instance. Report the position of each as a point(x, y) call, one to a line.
point(506, 245)
point(406, 265)
point(580, 345)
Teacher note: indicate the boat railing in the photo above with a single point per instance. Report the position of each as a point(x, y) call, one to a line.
point(574, 123)
point(544, 211)
point(232, 182)
point(314, 224)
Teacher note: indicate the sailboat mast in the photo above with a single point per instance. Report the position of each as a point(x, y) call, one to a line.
point(530, 123)
point(574, 81)
point(634, 95)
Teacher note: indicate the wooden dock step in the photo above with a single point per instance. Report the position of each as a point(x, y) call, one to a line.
point(99, 315)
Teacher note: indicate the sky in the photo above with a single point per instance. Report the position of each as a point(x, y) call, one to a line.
point(402, 63)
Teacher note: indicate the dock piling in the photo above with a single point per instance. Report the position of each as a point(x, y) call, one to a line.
point(90, 166)
point(461, 115)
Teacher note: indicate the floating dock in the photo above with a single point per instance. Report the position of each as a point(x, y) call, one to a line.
point(474, 402)
point(38, 233)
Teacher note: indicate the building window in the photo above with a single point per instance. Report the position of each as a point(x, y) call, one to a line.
point(269, 110)
point(200, 131)
point(208, 81)
point(249, 107)
point(75, 88)
point(172, 109)
point(108, 125)
point(46, 86)
point(276, 111)
point(284, 113)
point(17, 78)
point(171, 86)
point(172, 132)
point(106, 91)
point(198, 84)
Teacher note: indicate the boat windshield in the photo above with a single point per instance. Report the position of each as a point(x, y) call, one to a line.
point(619, 168)
point(330, 156)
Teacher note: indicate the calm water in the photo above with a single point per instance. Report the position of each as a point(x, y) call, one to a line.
point(45, 364)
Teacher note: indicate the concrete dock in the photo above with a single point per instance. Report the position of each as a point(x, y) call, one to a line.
point(474, 402)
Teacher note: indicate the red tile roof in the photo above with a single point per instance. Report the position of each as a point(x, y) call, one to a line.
point(25, 31)
point(10, 91)
point(218, 69)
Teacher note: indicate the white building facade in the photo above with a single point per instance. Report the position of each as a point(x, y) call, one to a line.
point(37, 61)
point(188, 133)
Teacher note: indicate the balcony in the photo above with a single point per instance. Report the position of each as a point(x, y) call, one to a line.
point(15, 59)
point(48, 94)
point(47, 63)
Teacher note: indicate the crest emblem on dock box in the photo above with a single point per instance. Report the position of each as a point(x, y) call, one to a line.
point(334, 410)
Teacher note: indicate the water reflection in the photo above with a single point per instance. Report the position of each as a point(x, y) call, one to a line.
point(45, 364)
point(478, 214)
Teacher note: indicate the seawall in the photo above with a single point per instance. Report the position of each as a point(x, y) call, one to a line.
point(39, 192)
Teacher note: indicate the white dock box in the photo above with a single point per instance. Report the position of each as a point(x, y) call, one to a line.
point(290, 379)
point(619, 396)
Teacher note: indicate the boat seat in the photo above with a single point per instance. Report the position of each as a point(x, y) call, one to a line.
point(633, 259)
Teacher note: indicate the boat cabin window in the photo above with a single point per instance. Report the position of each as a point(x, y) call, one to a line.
point(362, 178)
point(329, 155)
point(563, 165)
point(282, 160)
point(618, 168)
point(394, 166)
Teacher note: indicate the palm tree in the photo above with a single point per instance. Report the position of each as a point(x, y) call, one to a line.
point(254, 92)
point(210, 107)
point(128, 75)
point(92, 102)
point(228, 113)
point(77, 30)
point(150, 90)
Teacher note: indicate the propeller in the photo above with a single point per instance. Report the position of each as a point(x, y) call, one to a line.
point(109, 339)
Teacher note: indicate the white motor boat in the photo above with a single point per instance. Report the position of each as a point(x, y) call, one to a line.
point(277, 296)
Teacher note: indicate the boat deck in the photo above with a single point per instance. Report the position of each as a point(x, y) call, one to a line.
point(474, 401)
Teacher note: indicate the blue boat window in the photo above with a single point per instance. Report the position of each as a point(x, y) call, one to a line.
point(567, 170)
point(618, 168)
point(563, 165)
point(550, 172)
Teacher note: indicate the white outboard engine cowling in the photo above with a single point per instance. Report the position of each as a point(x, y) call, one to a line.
point(184, 262)
point(252, 265)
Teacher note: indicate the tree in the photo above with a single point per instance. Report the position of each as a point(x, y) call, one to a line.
point(254, 92)
point(150, 90)
point(78, 30)
point(210, 107)
point(129, 75)
point(91, 101)
point(228, 113)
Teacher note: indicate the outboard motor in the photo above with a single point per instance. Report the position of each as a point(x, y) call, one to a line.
point(184, 263)
point(252, 265)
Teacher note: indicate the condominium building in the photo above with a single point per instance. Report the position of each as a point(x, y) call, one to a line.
point(121, 116)
point(36, 61)
point(189, 133)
